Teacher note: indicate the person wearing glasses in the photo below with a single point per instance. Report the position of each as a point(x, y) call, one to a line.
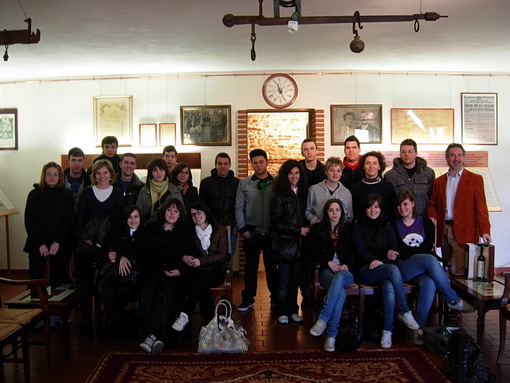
point(205, 267)
point(411, 172)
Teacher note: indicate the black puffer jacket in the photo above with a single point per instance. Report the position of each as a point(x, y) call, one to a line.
point(219, 194)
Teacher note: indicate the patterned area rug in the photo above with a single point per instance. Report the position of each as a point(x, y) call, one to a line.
point(400, 365)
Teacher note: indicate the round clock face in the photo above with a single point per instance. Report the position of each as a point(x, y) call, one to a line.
point(279, 90)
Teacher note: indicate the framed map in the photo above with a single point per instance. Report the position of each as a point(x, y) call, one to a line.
point(425, 126)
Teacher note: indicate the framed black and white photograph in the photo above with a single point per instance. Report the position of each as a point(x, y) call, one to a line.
point(113, 116)
point(479, 118)
point(8, 129)
point(424, 125)
point(206, 125)
point(362, 121)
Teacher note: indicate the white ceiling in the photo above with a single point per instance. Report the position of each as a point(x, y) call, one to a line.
point(128, 37)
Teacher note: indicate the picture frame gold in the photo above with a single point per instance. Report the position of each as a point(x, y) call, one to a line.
point(166, 134)
point(148, 135)
point(206, 125)
point(113, 116)
point(361, 120)
point(423, 125)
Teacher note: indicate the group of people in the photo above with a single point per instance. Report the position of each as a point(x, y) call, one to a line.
point(360, 226)
point(168, 243)
point(155, 243)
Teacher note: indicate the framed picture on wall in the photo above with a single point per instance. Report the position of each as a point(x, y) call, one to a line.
point(479, 118)
point(148, 135)
point(206, 125)
point(8, 129)
point(113, 116)
point(167, 133)
point(362, 121)
point(425, 126)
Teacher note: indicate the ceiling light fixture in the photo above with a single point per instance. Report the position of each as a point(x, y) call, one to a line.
point(357, 45)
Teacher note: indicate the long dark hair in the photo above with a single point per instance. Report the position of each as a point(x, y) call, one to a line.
point(177, 169)
point(199, 205)
point(281, 184)
point(339, 228)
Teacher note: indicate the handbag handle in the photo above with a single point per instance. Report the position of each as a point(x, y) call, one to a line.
point(228, 308)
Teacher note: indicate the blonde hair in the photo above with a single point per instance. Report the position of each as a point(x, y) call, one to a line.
point(98, 165)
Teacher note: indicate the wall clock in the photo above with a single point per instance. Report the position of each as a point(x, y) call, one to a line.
point(280, 90)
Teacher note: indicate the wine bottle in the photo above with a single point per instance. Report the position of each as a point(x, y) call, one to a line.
point(480, 269)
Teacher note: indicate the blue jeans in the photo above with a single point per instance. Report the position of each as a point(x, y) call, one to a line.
point(427, 268)
point(392, 287)
point(335, 283)
point(287, 288)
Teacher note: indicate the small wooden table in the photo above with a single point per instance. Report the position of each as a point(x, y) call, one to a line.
point(484, 296)
point(61, 301)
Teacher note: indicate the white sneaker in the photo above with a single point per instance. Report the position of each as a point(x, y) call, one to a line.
point(283, 319)
point(146, 345)
point(409, 320)
point(461, 305)
point(329, 344)
point(180, 322)
point(386, 339)
point(297, 318)
point(318, 328)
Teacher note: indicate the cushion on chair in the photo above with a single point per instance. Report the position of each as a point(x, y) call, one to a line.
point(18, 316)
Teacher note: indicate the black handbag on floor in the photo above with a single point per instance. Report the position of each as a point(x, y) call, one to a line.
point(464, 362)
point(349, 336)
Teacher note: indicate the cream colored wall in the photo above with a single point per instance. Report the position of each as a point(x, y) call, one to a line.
point(55, 116)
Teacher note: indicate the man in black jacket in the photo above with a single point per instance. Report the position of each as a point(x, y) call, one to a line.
point(75, 177)
point(218, 192)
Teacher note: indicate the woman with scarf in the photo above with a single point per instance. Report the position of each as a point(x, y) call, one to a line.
point(182, 179)
point(205, 268)
point(156, 190)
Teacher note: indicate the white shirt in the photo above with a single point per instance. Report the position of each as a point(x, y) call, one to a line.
point(452, 184)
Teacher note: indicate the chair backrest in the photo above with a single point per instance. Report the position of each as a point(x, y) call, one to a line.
point(38, 286)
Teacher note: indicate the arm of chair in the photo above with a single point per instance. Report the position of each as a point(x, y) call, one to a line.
point(39, 285)
point(506, 292)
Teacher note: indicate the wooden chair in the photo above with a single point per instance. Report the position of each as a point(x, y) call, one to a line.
point(224, 291)
point(504, 315)
point(317, 294)
point(16, 324)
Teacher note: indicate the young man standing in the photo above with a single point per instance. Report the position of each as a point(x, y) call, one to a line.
point(458, 208)
point(170, 156)
point(313, 167)
point(218, 192)
point(253, 222)
point(127, 180)
point(75, 177)
point(331, 187)
point(411, 172)
point(351, 172)
point(110, 144)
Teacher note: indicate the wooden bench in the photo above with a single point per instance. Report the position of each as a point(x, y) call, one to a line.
point(318, 293)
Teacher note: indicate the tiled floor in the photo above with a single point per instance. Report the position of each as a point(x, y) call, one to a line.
point(260, 322)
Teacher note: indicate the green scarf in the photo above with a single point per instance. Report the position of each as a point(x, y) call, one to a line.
point(158, 190)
